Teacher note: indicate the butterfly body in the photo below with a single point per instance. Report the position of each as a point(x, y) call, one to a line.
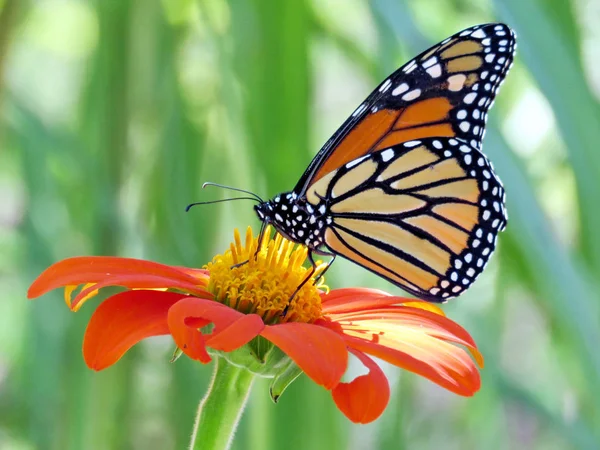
point(402, 188)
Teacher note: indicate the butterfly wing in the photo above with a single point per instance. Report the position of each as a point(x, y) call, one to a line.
point(424, 214)
point(445, 91)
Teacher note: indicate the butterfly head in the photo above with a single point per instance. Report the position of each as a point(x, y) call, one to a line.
point(264, 211)
point(294, 218)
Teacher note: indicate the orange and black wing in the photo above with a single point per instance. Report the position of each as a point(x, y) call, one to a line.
point(446, 91)
point(424, 214)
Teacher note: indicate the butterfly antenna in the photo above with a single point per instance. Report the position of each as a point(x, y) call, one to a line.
point(188, 207)
point(222, 186)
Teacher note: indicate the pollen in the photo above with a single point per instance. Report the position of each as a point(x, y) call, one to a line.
point(263, 282)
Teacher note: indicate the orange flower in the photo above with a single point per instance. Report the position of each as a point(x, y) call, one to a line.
point(219, 309)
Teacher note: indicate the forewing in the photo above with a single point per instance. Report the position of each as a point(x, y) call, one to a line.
point(445, 91)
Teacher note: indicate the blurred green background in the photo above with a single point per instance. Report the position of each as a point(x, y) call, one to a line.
point(115, 111)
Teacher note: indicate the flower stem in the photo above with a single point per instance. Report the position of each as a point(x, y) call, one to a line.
point(221, 408)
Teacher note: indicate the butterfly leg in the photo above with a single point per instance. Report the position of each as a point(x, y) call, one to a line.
point(261, 236)
point(313, 267)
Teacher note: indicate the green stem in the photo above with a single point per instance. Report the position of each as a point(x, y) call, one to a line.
point(221, 408)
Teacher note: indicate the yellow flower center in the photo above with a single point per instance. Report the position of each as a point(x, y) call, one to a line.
point(264, 284)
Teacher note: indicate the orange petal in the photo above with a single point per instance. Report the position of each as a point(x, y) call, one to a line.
point(321, 353)
point(416, 340)
point(94, 269)
point(346, 300)
point(363, 399)
point(239, 333)
point(137, 282)
point(122, 321)
point(232, 329)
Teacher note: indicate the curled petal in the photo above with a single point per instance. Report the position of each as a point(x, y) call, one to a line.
point(321, 353)
point(239, 333)
point(108, 270)
point(232, 329)
point(417, 340)
point(135, 282)
point(122, 321)
point(89, 293)
point(363, 399)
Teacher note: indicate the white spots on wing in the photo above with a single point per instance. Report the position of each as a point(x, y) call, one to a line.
point(411, 95)
point(410, 67)
point(356, 161)
point(359, 110)
point(410, 144)
point(464, 126)
point(470, 98)
point(400, 89)
point(435, 71)
point(437, 144)
point(461, 114)
point(447, 153)
point(430, 62)
point(456, 82)
point(386, 155)
point(479, 34)
point(385, 86)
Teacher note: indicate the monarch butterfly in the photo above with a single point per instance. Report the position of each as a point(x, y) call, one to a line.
point(402, 187)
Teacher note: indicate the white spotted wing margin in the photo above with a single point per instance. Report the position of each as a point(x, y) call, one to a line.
point(424, 214)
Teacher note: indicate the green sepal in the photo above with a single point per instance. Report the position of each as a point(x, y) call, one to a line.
point(176, 354)
point(260, 348)
point(282, 379)
point(259, 356)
